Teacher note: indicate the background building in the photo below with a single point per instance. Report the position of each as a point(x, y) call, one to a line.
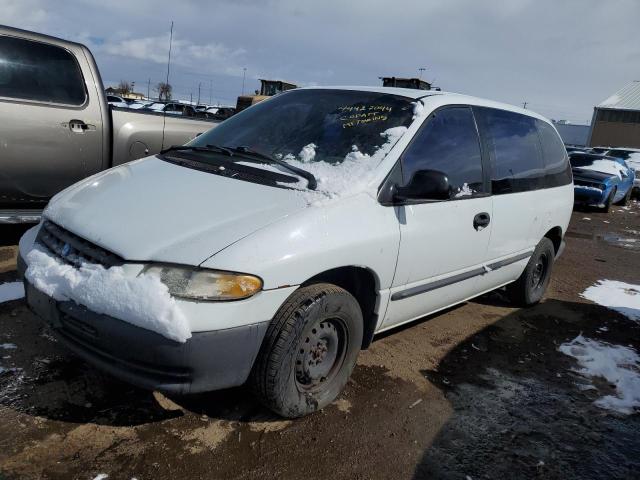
point(616, 121)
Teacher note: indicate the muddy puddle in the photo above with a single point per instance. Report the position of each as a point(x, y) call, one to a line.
point(625, 240)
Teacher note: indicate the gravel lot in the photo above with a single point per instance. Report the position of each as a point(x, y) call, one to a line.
point(479, 391)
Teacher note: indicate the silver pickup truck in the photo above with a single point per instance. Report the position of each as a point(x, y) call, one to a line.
point(56, 127)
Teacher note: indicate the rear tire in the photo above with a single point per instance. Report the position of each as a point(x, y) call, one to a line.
point(609, 202)
point(533, 282)
point(625, 200)
point(309, 350)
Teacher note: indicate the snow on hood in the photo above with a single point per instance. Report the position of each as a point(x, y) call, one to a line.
point(618, 365)
point(143, 301)
point(154, 210)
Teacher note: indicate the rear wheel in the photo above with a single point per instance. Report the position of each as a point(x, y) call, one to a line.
point(533, 282)
point(309, 350)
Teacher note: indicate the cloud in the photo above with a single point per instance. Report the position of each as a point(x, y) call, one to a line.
point(560, 57)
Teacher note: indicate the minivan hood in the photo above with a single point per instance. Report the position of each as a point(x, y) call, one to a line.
point(586, 174)
point(155, 210)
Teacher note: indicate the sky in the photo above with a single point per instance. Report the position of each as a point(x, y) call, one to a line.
point(561, 57)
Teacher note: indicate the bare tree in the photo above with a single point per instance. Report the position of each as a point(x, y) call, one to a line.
point(124, 87)
point(164, 91)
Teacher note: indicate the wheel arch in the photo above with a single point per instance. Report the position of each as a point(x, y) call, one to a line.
point(363, 284)
point(555, 235)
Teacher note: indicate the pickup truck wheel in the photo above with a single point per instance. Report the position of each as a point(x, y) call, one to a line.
point(533, 282)
point(309, 350)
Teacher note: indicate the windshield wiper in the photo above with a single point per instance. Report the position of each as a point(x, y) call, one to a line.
point(247, 152)
point(194, 148)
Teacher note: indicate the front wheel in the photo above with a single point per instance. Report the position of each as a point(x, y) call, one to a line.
point(609, 201)
point(309, 350)
point(533, 282)
point(625, 200)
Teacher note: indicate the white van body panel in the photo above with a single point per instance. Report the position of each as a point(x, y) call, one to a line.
point(174, 214)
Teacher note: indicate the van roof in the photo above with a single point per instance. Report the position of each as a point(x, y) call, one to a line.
point(445, 96)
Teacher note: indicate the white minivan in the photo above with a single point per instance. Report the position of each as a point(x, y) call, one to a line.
point(272, 248)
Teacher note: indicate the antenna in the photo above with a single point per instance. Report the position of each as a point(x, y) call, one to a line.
point(164, 116)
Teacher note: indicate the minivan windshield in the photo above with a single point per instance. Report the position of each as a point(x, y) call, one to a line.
point(315, 125)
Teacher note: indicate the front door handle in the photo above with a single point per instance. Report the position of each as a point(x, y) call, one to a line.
point(481, 220)
point(78, 126)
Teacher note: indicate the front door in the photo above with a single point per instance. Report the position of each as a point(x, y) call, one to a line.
point(50, 121)
point(443, 243)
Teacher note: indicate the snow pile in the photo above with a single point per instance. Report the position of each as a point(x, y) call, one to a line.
point(464, 191)
point(11, 291)
point(619, 296)
point(308, 153)
point(143, 301)
point(618, 365)
point(345, 178)
point(611, 101)
point(606, 166)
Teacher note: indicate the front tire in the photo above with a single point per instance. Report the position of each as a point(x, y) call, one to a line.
point(533, 282)
point(309, 350)
point(625, 200)
point(609, 201)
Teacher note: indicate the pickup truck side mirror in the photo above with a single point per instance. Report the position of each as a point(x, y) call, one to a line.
point(424, 185)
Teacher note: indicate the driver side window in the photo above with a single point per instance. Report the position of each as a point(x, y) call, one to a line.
point(449, 143)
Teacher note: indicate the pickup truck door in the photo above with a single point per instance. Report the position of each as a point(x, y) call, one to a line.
point(52, 112)
point(443, 244)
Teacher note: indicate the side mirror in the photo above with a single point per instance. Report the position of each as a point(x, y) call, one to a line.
point(424, 185)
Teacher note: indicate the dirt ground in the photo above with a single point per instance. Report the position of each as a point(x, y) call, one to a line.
point(479, 391)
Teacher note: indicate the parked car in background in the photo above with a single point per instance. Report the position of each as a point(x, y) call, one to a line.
point(601, 180)
point(172, 108)
point(138, 104)
point(349, 210)
point(56, 125)
point(632, 158)
point(117, 101)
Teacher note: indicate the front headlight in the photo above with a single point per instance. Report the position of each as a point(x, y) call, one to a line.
point(198, 284)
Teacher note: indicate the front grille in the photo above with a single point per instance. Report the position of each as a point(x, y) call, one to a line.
point(586, 183)
point(73, 249)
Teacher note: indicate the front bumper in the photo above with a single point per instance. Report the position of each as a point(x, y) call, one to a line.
point(207, 361)
point(590, 196)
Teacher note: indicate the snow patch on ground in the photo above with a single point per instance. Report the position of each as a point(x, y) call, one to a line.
point(618, 365)
point(619, 296)
point(11, 291)
point(606, 166)
point(143, 301)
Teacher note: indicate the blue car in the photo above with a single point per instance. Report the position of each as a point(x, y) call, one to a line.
point(600, 180)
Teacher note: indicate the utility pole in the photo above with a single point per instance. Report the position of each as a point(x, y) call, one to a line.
point(210, 91)
point(420, 72)
point(170, 43)
point(191, 101)
point(149, 88)
point(524, 105)
point(244, 72)
point(199, 84)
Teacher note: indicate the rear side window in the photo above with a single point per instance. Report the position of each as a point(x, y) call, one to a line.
point(448, 143)
point(556, 163)
point(514, 148)
point(40, 72)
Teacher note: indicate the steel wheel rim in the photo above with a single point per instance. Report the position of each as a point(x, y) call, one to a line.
point(320, 354)
point(539, 271)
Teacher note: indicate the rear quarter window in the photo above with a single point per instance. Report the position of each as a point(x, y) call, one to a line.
point(556, 163)
point(39, 72)
point(515, 152)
